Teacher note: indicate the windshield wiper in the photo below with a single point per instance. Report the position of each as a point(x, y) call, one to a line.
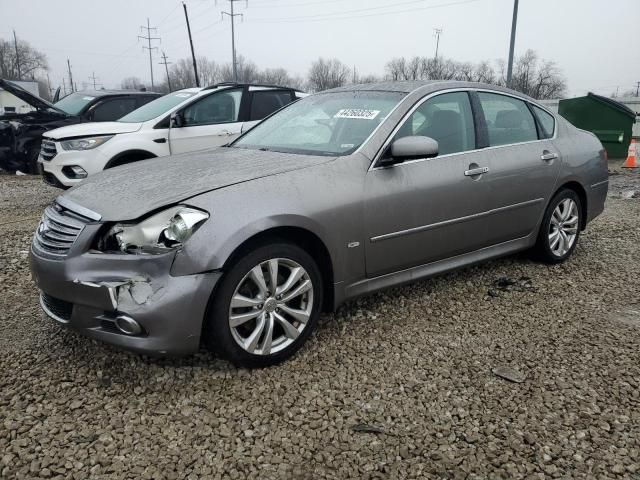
point(264, 149)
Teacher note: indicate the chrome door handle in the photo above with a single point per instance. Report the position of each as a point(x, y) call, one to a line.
point(548, 156)
point(476, 171)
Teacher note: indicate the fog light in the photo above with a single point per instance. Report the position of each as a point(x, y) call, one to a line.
point(127, 325)
point(74, 171)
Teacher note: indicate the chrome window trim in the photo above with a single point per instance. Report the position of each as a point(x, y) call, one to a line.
point(386, 143)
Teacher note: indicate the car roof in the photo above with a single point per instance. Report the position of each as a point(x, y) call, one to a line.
point(241, 84)
point(104, 93)
point(425, 86)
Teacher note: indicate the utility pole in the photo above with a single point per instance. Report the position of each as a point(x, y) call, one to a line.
point(15, 44)
point(193, 55)
point(436, 33)
point(637, 89)
point(165, 63)
point(355, 76)
point(49, 86)
point(148, 38)
point(94, 78)
point(512, 44)
point(233, 37)
point(70, 76)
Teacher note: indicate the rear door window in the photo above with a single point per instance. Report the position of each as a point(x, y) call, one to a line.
point(110, 110)
point(547, 122)
point(265, 102)
point(509, 120)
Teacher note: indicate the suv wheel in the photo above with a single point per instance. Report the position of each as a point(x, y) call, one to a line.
point(560, 227)
point(266, 306)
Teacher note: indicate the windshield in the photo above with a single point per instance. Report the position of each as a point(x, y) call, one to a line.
point(324, 124)
point(157, 107)
point(74, 103)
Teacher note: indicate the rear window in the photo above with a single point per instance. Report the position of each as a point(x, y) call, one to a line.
point(265, 102)
point(156, 108)
point(546, 120)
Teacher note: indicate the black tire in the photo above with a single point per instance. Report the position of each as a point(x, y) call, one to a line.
point(543, 248)
point(32, 161)
point(217, 334)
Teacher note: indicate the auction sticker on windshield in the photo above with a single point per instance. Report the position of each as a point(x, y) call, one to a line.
point(357, 113)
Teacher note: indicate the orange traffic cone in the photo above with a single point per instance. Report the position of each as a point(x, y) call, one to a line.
point(632, 159)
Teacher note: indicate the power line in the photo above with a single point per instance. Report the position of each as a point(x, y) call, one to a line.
point(149, 38)
point(166, 68)
point(347, 13)
point(233, 36)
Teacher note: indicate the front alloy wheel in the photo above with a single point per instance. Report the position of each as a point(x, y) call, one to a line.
point(266, 306)
point(271, 306)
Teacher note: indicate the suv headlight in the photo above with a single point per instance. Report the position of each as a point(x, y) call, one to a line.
point(159, 233)
point(84, 143)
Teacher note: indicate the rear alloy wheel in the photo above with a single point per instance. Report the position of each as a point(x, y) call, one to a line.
point(266, 307)
point(560, 228)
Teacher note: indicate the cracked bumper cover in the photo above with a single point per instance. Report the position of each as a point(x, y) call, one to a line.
point(169, 308)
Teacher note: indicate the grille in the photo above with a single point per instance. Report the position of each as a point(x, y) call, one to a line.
point(56, 308)
point(48, 149)
point(57, 231)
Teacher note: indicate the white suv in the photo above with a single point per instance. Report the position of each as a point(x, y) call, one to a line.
point(182, 121)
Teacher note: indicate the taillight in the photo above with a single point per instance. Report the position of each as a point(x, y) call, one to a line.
point(603, 155)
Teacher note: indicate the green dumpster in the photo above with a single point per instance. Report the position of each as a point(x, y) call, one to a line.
point(609, 120)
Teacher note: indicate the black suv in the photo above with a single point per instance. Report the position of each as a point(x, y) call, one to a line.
point(20, 133)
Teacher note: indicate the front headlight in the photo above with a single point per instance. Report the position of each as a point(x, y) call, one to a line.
point(159, 233)
point(84, 143)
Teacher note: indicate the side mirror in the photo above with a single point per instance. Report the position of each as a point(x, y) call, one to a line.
point(177, 120)
point(409, 148)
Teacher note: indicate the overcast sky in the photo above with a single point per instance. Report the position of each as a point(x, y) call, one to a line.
point(595, 42)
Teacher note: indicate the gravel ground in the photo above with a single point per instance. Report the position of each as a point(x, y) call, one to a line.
point(402, 384)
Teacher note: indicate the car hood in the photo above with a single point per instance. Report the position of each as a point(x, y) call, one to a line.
point(130, 191)
point(92, 129)
point(36, 102)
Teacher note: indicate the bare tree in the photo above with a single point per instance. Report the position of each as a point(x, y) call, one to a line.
point(208, 71)
point(484, 72)
point(131, 83)
point(369, 79)
point(247, 71)
point(31, 61)
point(325, 74)
point(538, 79)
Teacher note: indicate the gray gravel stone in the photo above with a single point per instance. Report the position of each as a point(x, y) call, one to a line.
point(415, 361)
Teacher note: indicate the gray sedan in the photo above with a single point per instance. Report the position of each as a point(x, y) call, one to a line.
point(338, 195)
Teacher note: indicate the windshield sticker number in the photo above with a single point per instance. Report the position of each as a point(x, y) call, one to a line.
point(183, 95)
point(357, 113)
point(88, 98)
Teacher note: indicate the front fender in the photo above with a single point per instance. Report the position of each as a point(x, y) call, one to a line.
point(209, 249)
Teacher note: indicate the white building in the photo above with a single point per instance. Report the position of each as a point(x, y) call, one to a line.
point(9, 103)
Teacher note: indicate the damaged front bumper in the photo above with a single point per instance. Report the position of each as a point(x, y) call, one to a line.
point(100, 294)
